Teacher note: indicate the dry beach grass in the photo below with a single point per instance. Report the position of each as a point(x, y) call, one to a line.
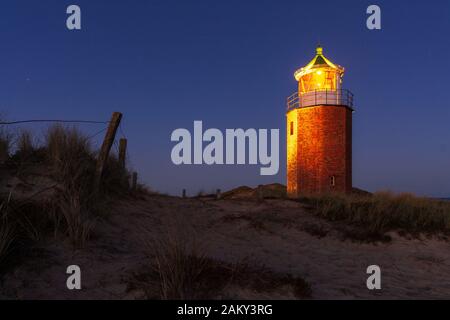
point(47, 189)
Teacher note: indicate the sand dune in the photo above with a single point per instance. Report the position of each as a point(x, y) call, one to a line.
point(279, 234)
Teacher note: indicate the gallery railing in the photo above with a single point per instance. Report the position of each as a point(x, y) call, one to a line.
point(341, 97)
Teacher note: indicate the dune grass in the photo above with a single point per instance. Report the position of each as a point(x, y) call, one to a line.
point(71, 160)
point(67, 160)
point(185, 276)
point(384, 211)
point(7, 230)
point(25, 145)
point(180, 269)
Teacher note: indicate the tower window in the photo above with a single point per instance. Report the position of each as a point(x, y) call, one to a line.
point(291, 128)
point(332, 181)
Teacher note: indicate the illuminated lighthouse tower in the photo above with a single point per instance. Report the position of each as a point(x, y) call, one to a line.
point(319, 130)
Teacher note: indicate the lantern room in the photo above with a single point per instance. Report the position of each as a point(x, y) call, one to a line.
point(320, 74)
point(320, 83)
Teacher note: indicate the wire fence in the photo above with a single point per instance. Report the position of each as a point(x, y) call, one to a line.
point(90, 137)
point(112, 129)
point(95, 138)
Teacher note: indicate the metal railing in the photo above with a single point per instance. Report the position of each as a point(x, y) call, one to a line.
point(340, 97)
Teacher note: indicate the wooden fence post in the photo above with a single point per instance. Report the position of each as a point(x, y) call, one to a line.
point(106, 147)
point(134, 182)
point(122, 152)
point(218, 194)
point(184, 193)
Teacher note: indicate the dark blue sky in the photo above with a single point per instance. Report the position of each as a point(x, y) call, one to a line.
point(165, 64)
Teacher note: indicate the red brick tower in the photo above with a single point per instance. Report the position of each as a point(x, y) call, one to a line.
point(319, 130)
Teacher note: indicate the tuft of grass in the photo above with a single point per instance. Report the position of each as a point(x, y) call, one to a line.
point(67, 158)
point(76, 217)
point(181, 270)
point(66, 144)
point(384, 211)
point(178, 265)
point(5, 145)
point(27, 154)
point(32, 218)
point(23, 222)
point(25, 145)
point(7, 230)
point(73, 163)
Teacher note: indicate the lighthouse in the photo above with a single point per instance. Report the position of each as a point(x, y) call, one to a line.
point(319, 130)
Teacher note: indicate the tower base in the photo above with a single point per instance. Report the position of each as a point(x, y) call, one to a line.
point(319, 150)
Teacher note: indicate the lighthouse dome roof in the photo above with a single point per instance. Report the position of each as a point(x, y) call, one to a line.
point(319, 61)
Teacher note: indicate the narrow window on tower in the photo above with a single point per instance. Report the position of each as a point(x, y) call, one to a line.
point(332, 181)
point(291, 129)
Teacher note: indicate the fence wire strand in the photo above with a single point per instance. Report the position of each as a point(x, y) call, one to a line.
point(53, 120)
point(96, 134)
point(61, 121)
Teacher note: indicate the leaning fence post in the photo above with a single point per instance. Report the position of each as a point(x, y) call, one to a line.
point(122, 152)
point(106, 147)
point(134, 182)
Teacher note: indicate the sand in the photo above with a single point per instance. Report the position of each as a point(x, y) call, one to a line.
point(280, 234)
